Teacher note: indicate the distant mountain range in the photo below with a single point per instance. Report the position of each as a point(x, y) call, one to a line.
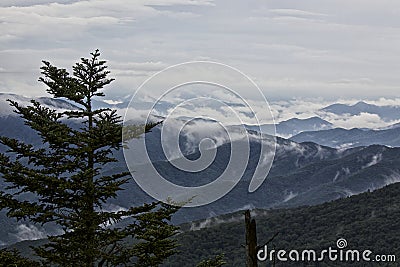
point(302, 174)
point(294, 126)
point(6, 109)
point(387, 113)
point(343, 138)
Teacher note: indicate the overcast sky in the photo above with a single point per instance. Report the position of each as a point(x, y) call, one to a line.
point(309, 48)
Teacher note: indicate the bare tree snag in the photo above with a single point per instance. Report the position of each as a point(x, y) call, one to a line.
point(251, 240)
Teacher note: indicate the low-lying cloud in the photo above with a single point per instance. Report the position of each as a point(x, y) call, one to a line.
point(29, 232)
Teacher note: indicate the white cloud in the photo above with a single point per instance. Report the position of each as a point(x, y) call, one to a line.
point(29, 232)
point(289, 196)
point(386, 102)
point(213, 221)
point(363, 120)
point(375, 160)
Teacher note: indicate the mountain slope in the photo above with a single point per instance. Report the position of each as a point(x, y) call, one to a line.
point(302, 174)
point(368, 221)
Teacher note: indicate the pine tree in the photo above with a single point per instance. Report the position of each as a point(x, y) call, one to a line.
point(216, 261)
point(13, 258)
point(65, 176)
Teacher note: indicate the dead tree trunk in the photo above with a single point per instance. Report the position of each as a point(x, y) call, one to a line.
point(251, 240)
